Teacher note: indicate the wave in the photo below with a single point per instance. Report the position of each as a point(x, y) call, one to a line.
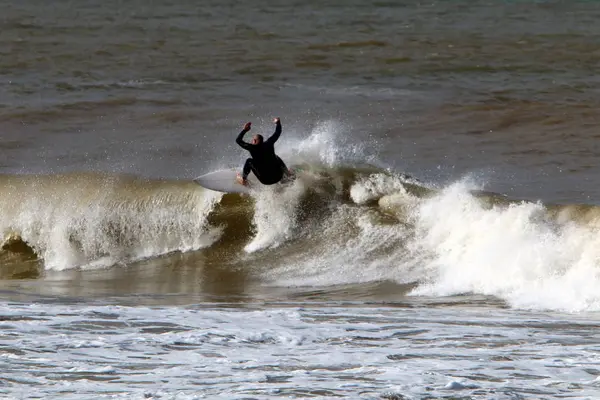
point(89, 220)
point(339, 223)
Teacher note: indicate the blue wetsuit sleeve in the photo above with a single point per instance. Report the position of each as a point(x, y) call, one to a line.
point(240, 140)
point(276, 134)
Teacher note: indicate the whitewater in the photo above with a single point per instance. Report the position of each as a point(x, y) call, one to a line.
point(316, 350)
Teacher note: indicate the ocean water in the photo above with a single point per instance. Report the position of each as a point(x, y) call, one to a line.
point(441, 240)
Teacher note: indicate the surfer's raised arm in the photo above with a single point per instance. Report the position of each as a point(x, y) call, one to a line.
point(277, 132)
point(240, 138)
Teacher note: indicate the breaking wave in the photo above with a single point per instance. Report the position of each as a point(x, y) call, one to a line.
point(339, 223)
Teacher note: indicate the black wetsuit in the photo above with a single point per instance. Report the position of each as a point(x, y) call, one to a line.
point(264, 163)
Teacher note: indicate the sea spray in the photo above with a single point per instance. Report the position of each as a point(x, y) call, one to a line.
point(327, 144)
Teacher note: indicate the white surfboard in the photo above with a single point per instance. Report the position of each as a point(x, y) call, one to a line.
point(225, 181)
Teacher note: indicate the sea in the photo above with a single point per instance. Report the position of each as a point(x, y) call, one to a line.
point(441, 240)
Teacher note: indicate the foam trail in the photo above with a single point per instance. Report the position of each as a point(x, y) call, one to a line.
point(517, 253)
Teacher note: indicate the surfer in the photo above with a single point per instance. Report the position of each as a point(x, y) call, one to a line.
point(264, 163)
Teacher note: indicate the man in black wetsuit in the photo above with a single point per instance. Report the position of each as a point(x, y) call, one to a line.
point(264, 163)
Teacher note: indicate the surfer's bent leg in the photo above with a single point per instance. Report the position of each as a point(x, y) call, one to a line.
point(250, 165)
point(266, 176)
point(269, 176)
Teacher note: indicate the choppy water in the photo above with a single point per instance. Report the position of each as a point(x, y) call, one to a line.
point(441, 240)
point(322, 350)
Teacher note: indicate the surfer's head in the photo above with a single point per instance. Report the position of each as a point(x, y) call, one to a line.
point(257, 139)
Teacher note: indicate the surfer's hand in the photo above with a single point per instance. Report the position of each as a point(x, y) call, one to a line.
point(276, 121)
point(247, 126)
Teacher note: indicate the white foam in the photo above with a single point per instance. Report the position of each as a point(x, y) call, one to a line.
point(516, 253)
point(456, 385)
point(375, 186)
point(310, 349)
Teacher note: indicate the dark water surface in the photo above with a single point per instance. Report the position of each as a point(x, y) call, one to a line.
point(503, 88)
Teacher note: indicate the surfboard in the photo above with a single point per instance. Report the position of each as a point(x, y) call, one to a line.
point(225, 181)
